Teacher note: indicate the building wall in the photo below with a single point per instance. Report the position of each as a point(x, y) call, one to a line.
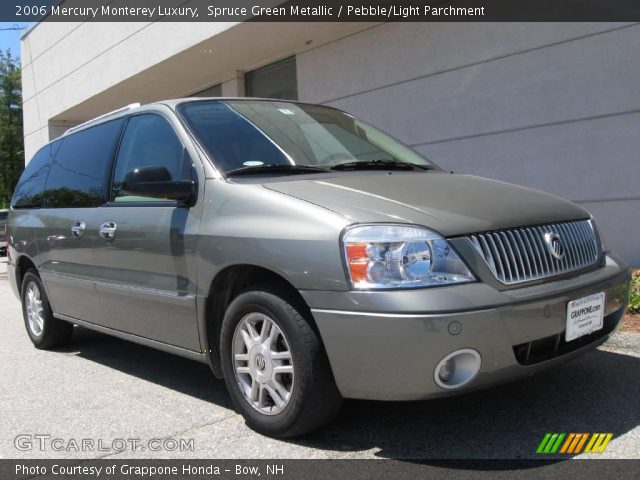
point(65, 63)
point(72, 72)
point(550, 106)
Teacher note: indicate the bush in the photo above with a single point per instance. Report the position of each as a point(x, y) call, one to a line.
point(634, 299)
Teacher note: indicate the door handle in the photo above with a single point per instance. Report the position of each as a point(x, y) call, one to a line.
point(77, 229)
point(108, 230)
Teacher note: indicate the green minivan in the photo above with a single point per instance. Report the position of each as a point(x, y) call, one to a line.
point(304, 255)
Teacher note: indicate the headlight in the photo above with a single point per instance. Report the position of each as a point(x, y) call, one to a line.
point(397, 256)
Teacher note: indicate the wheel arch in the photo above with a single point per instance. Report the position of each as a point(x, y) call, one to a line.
point(23, 264)
point(227, 285)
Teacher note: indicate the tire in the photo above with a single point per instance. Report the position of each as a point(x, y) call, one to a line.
point(313, 399)
point(43, 329)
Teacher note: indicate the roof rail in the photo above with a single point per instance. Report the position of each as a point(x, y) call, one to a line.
point(118, 110)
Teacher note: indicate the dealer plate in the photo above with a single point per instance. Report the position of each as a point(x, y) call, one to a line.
point(584, 316)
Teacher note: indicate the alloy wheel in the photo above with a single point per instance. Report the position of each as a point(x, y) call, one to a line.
point(35, 310)
point(262, 363)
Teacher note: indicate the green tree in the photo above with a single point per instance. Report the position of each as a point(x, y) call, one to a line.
point(11, 140)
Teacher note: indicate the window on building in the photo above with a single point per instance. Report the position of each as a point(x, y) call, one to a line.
point(215, 91)
point(277, 80)
point(149, 141)
point(81, 166)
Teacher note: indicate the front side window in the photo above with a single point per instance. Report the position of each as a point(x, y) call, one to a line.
point(80, 167)
point(149, 141)
point(245, 133)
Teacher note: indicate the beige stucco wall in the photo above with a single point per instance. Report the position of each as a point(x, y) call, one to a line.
point(75, 71)
point(551, 106)
point(66, 63)
point(548, 105)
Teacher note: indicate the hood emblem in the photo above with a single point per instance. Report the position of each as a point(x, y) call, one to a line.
point(554, 245)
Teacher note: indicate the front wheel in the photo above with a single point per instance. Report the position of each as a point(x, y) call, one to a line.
point(45, 331)
point(274, 366)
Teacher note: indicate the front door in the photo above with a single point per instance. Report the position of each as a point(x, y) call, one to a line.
point(145, 263)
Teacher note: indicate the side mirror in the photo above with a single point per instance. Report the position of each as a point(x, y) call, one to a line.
point(156, 182)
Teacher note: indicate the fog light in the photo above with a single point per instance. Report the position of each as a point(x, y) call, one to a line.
point(457, 369)
point(447, 370)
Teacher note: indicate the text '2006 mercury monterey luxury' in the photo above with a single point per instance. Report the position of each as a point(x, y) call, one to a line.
point(304, 255)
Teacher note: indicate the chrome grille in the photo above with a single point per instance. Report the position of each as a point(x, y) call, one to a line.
point(522, 254)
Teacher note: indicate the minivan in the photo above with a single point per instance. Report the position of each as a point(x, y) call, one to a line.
point(304, 255)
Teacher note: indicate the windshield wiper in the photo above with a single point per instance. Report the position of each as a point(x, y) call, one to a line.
point(276, 168)
point(382, 164)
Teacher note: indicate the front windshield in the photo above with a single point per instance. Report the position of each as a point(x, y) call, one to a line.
point(243, 133)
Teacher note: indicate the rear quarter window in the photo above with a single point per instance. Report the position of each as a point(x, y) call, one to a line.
point(28, 192)
point(81, 167)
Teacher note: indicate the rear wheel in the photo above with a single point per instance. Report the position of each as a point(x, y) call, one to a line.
point(274, 365)
point(44, 330)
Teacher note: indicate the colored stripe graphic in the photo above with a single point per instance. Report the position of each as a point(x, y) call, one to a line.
point(567, 443)
point(598, 442)
point(557, 443)
point(550, 443)
point(574, 443)
point(543, 443)
point(581, 443)
point(578, 442)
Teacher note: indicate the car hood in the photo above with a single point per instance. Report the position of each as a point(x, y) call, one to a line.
point(451, 204)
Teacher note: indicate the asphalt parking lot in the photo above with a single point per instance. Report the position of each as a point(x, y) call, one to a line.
point(106, 389)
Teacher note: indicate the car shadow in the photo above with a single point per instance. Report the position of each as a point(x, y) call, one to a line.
point(177, 373)
point(597, 392)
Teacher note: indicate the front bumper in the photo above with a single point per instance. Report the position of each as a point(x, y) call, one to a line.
point(386, 345)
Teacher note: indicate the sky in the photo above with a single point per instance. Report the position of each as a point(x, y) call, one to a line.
point(10, 39)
